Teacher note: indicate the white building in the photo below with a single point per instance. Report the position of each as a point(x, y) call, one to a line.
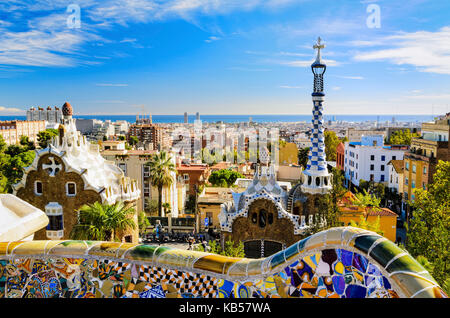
point(367, 160)
point(395, 181)
point(49, 114)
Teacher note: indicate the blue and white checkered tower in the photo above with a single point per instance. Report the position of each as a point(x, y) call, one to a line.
point(316, 178)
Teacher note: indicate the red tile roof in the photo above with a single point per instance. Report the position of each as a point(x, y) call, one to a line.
point(381, 212)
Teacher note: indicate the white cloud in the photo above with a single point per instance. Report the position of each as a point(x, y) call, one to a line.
point(111, 85)
point(10, 109)
point(351, 77)
point(287, 86)
point(303, 63)
point(212, 39)
point(427, 51)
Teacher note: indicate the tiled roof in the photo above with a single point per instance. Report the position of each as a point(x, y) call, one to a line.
point(381, 212)
point(398, 165)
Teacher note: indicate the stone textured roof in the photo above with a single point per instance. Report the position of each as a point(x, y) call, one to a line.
point(398, 165)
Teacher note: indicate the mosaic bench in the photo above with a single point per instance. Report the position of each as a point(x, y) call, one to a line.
point(343, 262)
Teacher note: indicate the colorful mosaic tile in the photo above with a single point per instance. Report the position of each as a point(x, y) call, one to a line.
point(103, 269)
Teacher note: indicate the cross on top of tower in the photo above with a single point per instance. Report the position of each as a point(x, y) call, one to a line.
point(319, 45)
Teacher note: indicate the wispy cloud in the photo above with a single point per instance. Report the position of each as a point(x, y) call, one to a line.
point(307, 63)
point(427, 51)
point(350, 77)
point(111, 85)
point(212, 39)
point(288, 86)
point(10, 109)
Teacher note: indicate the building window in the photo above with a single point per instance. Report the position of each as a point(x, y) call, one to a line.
point(371, 177)
point(372, 157)
point(405, 195)
point(186, 177)
point(382, 167)
point(407, 166)
point(424, 185)
point(382, 178)
point(262, 218)
point(71, 189)
point(55, 227)
point(383, 158)
point(424, 170)
point(413, 183)
point(414, 168)
point(209, 215)
point(406, 181)
point(372, 167)
point(38, 187)
point(356, 165)
point(394, 157)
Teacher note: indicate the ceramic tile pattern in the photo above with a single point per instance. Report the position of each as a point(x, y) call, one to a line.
point(359, 266)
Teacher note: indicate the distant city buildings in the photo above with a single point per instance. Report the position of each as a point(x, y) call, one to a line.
point(147, 134)
point(185, 118)
point(50, 115)
point(13, 130)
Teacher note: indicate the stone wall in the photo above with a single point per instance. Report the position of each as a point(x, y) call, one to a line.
point(337, 263)
point(245, 229)
point(54, 190)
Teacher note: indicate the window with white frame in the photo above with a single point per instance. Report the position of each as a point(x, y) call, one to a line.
point(71, 189)
point(38, 187)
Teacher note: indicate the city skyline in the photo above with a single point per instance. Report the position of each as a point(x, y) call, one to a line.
point(210, 56)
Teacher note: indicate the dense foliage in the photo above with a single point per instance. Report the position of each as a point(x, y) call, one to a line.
point(303, 156)
point(103, 222)
point(402, 137)
point(224, 178)
point(429, 227)
point(13, 159)
point(160, 173)
point(45, 136)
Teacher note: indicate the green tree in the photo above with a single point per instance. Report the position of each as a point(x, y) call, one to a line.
point(44, 137)
point(331, 142)
point(402, 137)
point(161, 168)
point(27, 143)
point(151, 207)
point(143, 222)
point(333, 197)
point(366, 199)
point(133, 140)
point(429, 227)
point(366, 225)
point(303, 156)
point(230, 249)
point(103, 222)
point(224, 178)
point(13, 159)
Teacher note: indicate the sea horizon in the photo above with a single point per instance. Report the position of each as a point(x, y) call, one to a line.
point(258, 118)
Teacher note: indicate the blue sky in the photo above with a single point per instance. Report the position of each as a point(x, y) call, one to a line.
point(224, 57)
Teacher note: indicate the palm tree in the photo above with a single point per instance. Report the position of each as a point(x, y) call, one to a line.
point(102, 222)
point(161, 168)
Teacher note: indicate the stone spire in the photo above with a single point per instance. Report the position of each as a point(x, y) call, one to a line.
point(316, 178)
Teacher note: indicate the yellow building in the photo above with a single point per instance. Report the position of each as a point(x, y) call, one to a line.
point(209, 202)
point(351, 212)
point(133, 164)
point(288, 154)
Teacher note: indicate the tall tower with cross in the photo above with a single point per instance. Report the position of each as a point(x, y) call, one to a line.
point(316, 178)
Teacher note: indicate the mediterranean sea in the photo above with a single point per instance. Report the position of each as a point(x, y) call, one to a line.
point(254, 118)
